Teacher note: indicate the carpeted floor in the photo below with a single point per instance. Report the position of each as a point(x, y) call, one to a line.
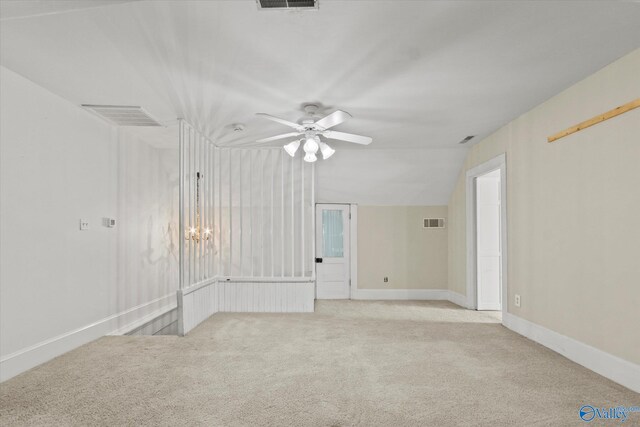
point(349, 363)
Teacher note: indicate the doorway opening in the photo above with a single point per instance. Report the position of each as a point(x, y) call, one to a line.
point(488, 247)
point(486, 236)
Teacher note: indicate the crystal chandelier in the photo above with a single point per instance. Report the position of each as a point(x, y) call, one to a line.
point(195, 233)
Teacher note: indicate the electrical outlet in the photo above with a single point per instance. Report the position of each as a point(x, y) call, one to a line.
point(386, 279)
point(517, 300)
point(84, 224)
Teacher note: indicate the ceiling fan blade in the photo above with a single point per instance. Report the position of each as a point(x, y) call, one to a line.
point(281, 121)
point(358, 139)
point(333, 119)
point(274, 138)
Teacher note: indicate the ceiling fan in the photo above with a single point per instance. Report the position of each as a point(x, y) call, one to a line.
point(311, 131)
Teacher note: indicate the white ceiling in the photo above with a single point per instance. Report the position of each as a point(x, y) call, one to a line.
point(16, 9)
point(374, 177)
point(415, 75)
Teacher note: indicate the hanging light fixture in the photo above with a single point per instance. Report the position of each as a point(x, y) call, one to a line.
point(194, 233)
point(310, 157)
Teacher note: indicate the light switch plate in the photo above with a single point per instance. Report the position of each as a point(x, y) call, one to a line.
point(84, 224)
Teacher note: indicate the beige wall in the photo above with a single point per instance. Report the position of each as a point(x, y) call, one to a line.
point(392, 243)
point(573, 213)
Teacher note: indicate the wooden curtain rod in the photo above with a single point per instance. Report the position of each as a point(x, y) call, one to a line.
point(595, 120)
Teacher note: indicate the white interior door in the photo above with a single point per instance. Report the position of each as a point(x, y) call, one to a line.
point(332, 252)
point(489, 257)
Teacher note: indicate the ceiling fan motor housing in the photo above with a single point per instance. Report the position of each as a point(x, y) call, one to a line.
point(311, 109)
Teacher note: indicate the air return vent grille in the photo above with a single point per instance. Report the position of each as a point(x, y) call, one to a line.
point(123, 115)
point(287, 4)
point(433, 223)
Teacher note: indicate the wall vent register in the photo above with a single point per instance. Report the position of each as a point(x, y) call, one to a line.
point(121, 115)
point(433, 223)
point(466, 139)
point(287, 4)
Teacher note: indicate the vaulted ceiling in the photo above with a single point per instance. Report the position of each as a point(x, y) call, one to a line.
point(415, 75)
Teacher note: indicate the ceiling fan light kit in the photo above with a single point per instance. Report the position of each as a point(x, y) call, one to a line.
point(326, 150)
point(311, 146)
point(292, 147)
point(311, 132)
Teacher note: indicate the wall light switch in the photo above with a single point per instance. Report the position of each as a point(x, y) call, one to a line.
point(84, 224)
point(109, 222)
point(517, 300)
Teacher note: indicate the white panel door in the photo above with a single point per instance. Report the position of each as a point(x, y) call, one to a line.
point(488, 242)
point(332, 252)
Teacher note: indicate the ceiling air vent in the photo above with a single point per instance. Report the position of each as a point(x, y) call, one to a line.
point(466, 139)
point(287, 4)
point(121, 115)
point(433, 223)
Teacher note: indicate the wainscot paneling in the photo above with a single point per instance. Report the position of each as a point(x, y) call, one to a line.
point(197, 303)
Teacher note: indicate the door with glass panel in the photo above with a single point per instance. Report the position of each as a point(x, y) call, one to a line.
point(332, 252)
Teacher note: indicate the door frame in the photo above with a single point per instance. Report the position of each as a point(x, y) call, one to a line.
point(496, 163)
point(353, 246)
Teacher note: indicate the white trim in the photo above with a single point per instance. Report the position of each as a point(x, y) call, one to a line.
point(353, 231)
point(409, 294)
point(144, 320)
point(196, 304)
point(36, 354)
point(498, 162)
point(457, 299)
point(609, 366)
point(232, 279)
point(156, 322)
point(400, 294)
point(195, 287)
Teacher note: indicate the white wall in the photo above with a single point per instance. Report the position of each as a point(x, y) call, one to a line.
point(572, 207)
point(147, 224)
point(60, 287)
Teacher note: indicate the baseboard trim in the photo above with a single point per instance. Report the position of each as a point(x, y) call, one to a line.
point(410, 294)
point(36, 354)
point(143, 321)
point(458, 299)
point(400, 294)
point(609, 366)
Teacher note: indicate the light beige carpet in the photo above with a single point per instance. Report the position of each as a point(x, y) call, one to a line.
point(350, 363)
